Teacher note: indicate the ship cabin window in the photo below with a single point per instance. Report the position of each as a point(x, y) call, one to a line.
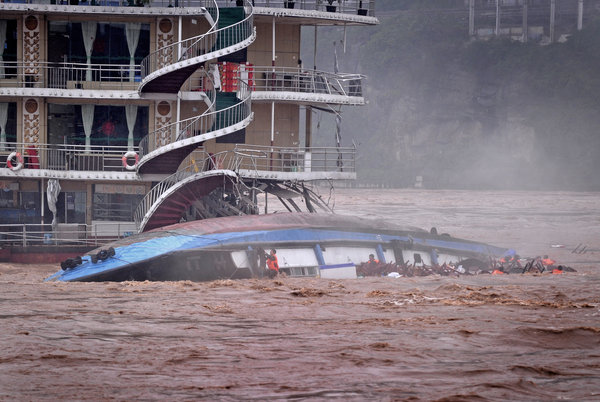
point(8, 49)
point(108, 45)
point(8, 126)
point(70, 207)
point(110, 125)
point(116, 202)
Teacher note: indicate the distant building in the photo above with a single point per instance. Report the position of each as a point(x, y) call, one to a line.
point(541, 21)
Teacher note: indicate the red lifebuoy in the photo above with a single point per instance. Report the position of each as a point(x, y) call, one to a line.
point(9, 163)
point(130, 154)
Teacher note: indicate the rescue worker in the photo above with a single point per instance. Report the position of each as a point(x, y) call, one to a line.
point(558, 270)
point(547, 261)
point(272, 264)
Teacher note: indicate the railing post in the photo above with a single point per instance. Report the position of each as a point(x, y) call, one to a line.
point(24, 234)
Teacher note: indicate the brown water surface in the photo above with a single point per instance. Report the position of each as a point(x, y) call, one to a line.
point(520, 337)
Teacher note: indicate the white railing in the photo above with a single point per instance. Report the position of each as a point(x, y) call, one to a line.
point(212, 41)
point(360, 7)
point(209, 121)
point(258, 158)
point(199, 161)
point(306, 81)
point(65, 157)
point(69, 75)
point(73, 234)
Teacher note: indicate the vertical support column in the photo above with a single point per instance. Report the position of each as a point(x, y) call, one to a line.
point(552, 19)
point(497, 17)
point(273, 103)
point(308, 127)
point(580, 15)
point(471, 18)
point(525, 27)
point(315, 51)
point(179, 28)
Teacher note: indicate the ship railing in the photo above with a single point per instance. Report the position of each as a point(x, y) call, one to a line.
point(307, 81)
point(215, 121)
point(69, 75)
point(258, 159)
point(213, 41)
point(64, 157)
point(359, 7)
point(98, 233)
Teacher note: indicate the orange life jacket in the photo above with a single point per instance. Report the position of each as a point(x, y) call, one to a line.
point(557, 271)
point(548, 261)
point(272, 263)
point(497, 272)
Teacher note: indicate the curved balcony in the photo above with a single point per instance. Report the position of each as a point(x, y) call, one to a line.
point(62, 161)
point(299, 85)
point(164, 149)
point(166, 69)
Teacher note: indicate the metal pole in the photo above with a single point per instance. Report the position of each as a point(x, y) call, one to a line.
point(552, 19)
point(580, 16)
point(471, 17)
point(315, 51)
point(497, 17)
point(525, 27)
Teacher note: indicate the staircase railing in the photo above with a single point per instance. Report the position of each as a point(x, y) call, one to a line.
point(213, 41)
point(216, 122)
point(201, 161)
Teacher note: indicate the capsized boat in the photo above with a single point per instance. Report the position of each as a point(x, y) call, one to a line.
point(307, 244)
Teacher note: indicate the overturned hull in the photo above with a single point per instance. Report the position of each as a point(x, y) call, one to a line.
point(325, 245)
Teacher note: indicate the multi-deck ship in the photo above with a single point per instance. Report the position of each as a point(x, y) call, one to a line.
point(117, 117)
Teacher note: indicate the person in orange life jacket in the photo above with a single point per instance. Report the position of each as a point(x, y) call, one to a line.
point(558, 270)
point(547, 261)
point(272, 263)
point(498, 271)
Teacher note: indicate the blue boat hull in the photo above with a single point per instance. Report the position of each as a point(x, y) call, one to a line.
point(224, 248)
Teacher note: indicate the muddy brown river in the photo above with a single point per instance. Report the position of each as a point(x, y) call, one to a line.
point(515, 337)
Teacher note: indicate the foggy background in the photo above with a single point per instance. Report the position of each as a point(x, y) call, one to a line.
point(486, 113)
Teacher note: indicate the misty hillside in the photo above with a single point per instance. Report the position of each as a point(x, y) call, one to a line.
point(467, 114)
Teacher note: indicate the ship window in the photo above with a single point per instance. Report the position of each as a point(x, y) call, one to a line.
point(109, 46)
point(9, 49)
point(109, 127)
point(8, 133)
point(115, 207)
point(70, 207)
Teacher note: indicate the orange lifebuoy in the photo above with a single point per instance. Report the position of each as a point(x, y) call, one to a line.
point(9, 163)
point(130, 154)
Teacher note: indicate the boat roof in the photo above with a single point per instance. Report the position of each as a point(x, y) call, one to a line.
point(287, 220)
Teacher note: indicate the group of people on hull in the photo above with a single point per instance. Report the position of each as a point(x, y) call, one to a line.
point(506, 265)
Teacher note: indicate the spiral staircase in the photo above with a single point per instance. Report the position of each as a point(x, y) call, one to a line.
point(163, 150)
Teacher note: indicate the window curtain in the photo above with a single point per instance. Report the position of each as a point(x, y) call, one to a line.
point(88, 30)
point(131, 115)
point(2, 40)
point(132, 32)
point(87, 116)
point(3, 119)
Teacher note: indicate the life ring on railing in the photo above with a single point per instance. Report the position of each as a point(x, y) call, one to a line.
point(130, 154)
point(9, 163)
